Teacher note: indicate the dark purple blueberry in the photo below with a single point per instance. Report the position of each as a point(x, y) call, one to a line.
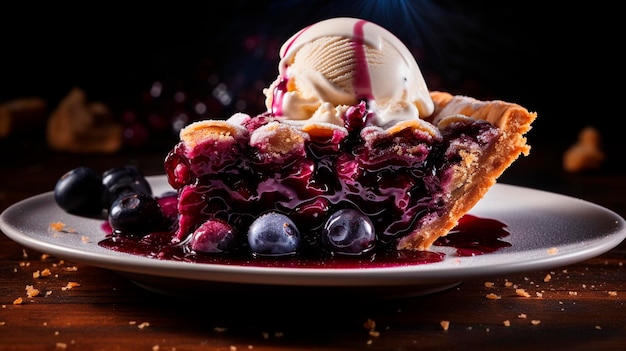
point(177, 168)
point(214, 235)
point(136, 214)
point(349, 232)
point(122, 180)
point(79, 191)
point(273, 234)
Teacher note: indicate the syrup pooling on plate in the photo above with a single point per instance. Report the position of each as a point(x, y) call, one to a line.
point(473, 236)
point(476, 236)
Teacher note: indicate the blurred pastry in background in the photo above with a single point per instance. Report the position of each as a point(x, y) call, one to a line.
point(80, 126)
point(586, 154)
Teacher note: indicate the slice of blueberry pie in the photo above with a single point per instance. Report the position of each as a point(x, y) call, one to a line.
point(353, 154)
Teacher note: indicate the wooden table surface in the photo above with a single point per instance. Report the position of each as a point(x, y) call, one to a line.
point(580, 306)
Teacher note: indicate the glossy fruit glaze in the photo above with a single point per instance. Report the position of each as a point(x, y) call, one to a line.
point(397, 180)
point(473, 236)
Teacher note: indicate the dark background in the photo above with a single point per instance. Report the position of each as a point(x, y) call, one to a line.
point(561, 61)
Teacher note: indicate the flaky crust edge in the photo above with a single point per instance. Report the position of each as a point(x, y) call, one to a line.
point(479, 174)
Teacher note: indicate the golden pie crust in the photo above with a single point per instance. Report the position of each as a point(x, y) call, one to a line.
point(478, 171)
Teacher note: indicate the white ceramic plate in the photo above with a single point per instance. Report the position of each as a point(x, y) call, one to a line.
point(547, 230)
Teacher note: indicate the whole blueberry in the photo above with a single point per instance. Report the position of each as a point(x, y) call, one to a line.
point(122, 180)
point(135, 214)
point(79, 191)
point(214, 235)
point(273, 234)
point(349, 232)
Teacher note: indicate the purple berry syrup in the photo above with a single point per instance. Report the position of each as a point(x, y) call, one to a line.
point(472, 237)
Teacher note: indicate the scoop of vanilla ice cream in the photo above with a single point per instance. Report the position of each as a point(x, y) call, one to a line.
point(333, 64)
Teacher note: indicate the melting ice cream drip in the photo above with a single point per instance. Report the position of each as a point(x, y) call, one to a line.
point(334, 64)
point(362, 82)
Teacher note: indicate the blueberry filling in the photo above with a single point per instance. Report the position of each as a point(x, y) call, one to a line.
point(396, 181)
